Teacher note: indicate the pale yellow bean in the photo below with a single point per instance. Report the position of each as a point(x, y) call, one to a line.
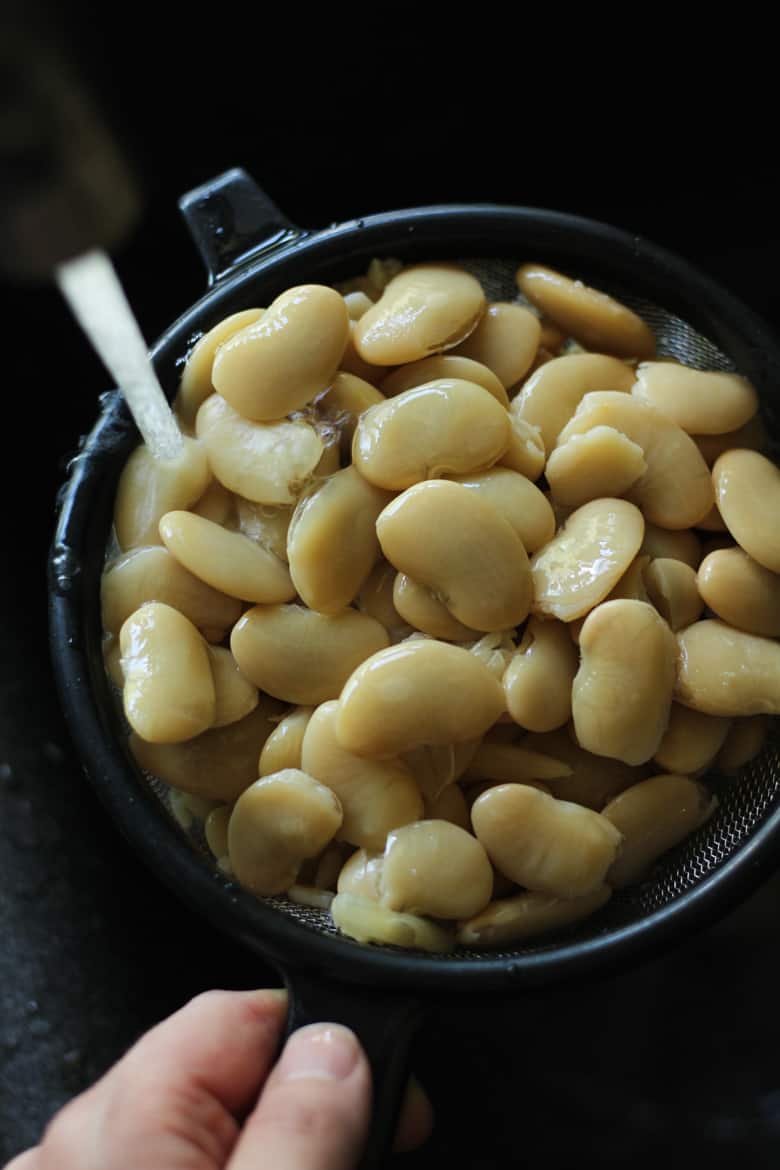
point(551, 396)
point(525, 453)
point(538, 680)
point(352, 363)
point(284, 745)
point(376, 278)
point(702, 402)
point(357, 304)
point(676, 490)
point(186, 809)
point(672, 589)
point(691, 740)
point(723, 671)
point(367, 922)
point(332, 543)
point(376, 599)
point(419, 692)
point(450, 805)
point(518, 500)
point(196, 385)
point(435, 868)
point(596, 320)
point(472, 793)
point(152, 574)
point(551, 337)
point(216, 830)
point(425, 309)
point(360, 875)
point(437, 767)
point(217, 504)
point(602, 462)
point(586, 559)
point(149, 487)
point(622, 692)
point(653, 816)
point(275, 825)
point(542, 843)
point(287, 357)
point(220, 763)
point(227, 561)
point(235, 696)
point(310, 896)
point(512, 920)
point(269, 463)
point(505, 340)
point(376, 795)
point(446, 426)
point(302, 656)
point(443, 366)
point(444, 536)
point(513, 763)
point(743, 743)
point(594, 779)
point(347, 397)
point(631, 585)
point(265, 524)
point(420, 608)
point(677, 546)
point(753, 436)
point(169, 690)
point(747, 487)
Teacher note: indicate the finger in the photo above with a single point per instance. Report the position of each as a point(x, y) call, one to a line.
point(415, 1122)
point(314, 1110)
point(26, 1161)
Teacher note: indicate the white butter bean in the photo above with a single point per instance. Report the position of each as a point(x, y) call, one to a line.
point(421, 609)
point(235, 697)
point(196, 385)
point(594, 780)
point(602, 462)
point(152, 574)
point(149, 487)
point(678, 546)
point(363, 920)
point(538, 680)
point(723, 671)
point(444, 366)
point(747, 486)
point(376, 599)
point(691, 740)
point(227, 561)
point(435, 868)
point(672, 589)
point(265, 524)
point(360, 875)
point(702, 402)
point(284, 745)
point(505, 340)
point(512, 920)
point(551, 396)
point(518, 500)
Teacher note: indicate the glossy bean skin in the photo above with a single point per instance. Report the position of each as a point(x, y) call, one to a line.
point(653, 816)
point(347, 397)
point(518, 500)
point(196, 385)
point(505, 340)
point(420, 608)
point(364, 920)
point(444, 537)
point(747, 486)
point(602, 462)
point(680, 546)
point(545, 844)
point(169, 693)
point(672, 589)
point(153, 574)
point(552, 394)
point(234, 696)
point(528, 915)
point(442, 427)
point(360, 875)
point(284, 745)
point(592, 780)
point(700, 401)
point(444, 365)
point(622, 692)
point(425, 309)
point(449, 697)
point(723, 671)
point(691, 741)
point(538, 680)
point(285, 359)
point(217, 504)
point(149, 487)
point(435, 868)
point(301, 656)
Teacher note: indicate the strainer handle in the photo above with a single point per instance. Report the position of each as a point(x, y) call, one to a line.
point(385, 1023)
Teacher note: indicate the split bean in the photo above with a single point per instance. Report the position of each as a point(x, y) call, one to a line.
point(602, 462)
point(525, 453)
point(551, 396)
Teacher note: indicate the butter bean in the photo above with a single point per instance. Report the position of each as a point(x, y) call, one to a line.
point(287, 357)
point(227, 561)
point(376, 795)
point(512, 920)
point(268, 463)
point(513, 763)
point(216, 504)
point(586, 559)
point(352, 363)
point(357, 304)
point(622, 692)
point(169, 691)
point(435, 868)
point(444, 366)
point(545, 844)
point(653, 816)
point(538, 680)
point(332, 543)
point(301, 656)
point(216, 830)
point(153, 574)
point(277, 823)
point(196, 385)
point(363, 920)
point(444, 536)
point(376, 599)
point(505, 340)
point(743, 743)
point(525, 453)
point(518, 500)
point(593, 780)
point(676, 490)
point(220, 763)
point(421, 609)
point(747, 487)
point(266, 525)
point(284, 745)
point(424, 309)
point(631, 585)
point(148, 488)
point(551, 396)
point(235, 697)
point(678, 546)
point(450, 805)
point(691, 741)
point(723, 671)
point(419, 692)
point(437, 767)
point(673, 591)
point(447, 426)
point(310, 896)
point(602, 462)
point(596, 320)
point(753, 436)
point(702, 402)
point(360, 875)
point(347, 397)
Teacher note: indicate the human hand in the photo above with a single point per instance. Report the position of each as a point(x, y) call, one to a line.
point(201, 1092)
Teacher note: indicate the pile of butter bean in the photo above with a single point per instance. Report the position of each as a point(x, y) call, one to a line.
point(446, 606)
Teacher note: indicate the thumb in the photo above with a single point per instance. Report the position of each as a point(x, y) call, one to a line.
point(314, 1109)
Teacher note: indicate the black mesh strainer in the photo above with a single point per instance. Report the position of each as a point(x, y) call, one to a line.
point(252, 253)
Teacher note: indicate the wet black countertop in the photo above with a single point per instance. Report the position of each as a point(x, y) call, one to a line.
point(676, 1060)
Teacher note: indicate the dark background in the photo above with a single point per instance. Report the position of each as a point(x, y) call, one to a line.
point(676, 1060)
